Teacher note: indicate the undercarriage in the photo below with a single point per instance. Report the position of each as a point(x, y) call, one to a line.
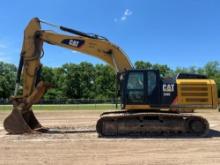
point(125, 123)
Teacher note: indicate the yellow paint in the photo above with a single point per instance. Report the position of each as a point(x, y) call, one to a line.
point(94, 47)
point(137, 107)
point(196, 92)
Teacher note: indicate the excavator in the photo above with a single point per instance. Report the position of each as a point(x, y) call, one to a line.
point(150, 103)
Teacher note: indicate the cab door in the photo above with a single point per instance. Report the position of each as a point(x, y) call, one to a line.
point(152, 87)
point(142, 88)
point(135, 88)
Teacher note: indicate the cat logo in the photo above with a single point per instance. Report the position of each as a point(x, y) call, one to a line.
point(168, 87)
point(73, 42)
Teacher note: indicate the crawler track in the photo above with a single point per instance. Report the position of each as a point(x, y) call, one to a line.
point(151, 124)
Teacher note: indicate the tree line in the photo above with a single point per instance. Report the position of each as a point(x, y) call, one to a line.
point(88, 81)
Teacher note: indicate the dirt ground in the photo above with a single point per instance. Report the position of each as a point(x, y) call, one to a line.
point(81, 145)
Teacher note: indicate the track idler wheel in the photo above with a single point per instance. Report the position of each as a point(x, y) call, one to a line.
point(198, 127)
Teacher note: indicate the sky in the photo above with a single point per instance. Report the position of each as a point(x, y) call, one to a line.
point(179, 33)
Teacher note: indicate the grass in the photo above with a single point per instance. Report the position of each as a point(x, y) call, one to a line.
point(66, 107)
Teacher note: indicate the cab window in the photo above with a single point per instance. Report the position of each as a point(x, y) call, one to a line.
point(135, 87)
point(135, 81)
point(151, 82)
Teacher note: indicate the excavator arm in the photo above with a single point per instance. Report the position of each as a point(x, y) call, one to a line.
point(22, 118)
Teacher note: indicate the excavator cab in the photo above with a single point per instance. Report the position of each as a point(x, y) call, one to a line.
point(141, 88)
point(147, 90)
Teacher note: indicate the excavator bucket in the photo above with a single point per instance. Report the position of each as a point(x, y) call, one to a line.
point(19, 123)
point(22, 119)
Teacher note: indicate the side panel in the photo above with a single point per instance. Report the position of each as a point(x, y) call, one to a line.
point(195, 93)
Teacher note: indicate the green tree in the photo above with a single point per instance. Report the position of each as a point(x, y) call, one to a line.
point(7, 79)
point(87, 75)
point(52, 76)
point(164, 69)
point(142, 65)
point(71, 83)
point(48, 75)
point(105, 81)
point(85, 80)
point(212, 68)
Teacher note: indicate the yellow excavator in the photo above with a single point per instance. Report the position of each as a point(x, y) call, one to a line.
point(150, 103)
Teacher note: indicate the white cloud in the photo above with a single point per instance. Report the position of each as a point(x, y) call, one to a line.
point(128, 12)
point(123, 18)
point(125, 15)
